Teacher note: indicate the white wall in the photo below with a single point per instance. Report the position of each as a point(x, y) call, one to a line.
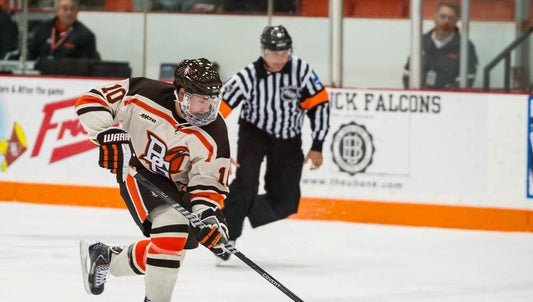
point(375, 50)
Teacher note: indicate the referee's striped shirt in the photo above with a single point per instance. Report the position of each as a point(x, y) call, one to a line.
point(277, 102)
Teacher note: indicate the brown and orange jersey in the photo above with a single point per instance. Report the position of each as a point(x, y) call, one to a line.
point(195, 158)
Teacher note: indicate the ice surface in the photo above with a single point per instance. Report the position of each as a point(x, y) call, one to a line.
point(318, 261)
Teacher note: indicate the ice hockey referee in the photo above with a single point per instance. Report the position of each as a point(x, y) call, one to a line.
point(276, 92)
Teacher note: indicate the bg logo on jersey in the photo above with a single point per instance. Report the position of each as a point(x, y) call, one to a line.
point(162, 160)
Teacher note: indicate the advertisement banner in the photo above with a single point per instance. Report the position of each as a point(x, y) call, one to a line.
point(41, 139)
point(400, 146)
point(416, 146)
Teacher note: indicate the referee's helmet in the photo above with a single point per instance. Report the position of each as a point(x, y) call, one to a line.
point(276, 38)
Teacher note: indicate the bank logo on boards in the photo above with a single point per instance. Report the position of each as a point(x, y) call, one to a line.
point(352, 148)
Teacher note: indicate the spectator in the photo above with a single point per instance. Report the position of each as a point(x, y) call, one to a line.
point(8, 34)
point(259, 6)
point(63, 36)
point(440, 52)
point(195, 6)
point(277, 91)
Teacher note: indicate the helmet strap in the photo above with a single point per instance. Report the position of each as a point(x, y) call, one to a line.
point(176, 95)
point(179, 103)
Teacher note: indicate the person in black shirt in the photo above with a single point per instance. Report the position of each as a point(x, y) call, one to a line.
point(8, 34)
point(440, 52)
point(276, 92)
point(63, 37)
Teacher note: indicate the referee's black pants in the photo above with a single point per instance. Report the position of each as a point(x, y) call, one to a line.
point(284, 163)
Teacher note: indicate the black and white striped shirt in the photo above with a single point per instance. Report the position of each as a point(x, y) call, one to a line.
point(276, 102)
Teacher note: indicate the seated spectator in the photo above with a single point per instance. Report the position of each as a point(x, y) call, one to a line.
point(440, 52)
point(259, 6)
point(63, 36)
point(8, 34)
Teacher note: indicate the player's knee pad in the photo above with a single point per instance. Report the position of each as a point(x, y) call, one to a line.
point(169, 231)
point(167, 245)
point(166, 215)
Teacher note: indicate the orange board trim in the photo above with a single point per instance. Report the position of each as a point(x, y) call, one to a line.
point(362, 211)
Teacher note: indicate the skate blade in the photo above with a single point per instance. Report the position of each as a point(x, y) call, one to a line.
point(219, 261)
point(85, 263)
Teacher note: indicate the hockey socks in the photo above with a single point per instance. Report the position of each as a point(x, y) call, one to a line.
point(131, 261)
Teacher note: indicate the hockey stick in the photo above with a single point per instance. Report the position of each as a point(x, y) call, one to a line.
point(196, 222)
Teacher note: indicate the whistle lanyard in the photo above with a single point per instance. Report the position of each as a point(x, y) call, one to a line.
point(63, 36)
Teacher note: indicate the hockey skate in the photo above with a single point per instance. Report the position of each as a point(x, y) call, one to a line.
point(95, 259)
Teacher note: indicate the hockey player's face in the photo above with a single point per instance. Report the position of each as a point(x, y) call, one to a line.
point(200, 103)
point(276, 59)
point(197, 109)
point(445, 19)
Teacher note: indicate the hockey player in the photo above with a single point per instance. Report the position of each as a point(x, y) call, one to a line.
point(173, 135)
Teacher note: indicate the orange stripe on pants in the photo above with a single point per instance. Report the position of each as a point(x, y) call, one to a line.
point(131, 183)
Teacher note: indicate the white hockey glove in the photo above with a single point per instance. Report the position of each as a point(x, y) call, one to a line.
point(115, 151)
point(214, 235)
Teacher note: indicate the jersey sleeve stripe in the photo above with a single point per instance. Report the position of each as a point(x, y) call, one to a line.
point(207, 188)
point(315, 100)
point(92, 109)
point(88, 99)
point(218, 198)
point(97, 92)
